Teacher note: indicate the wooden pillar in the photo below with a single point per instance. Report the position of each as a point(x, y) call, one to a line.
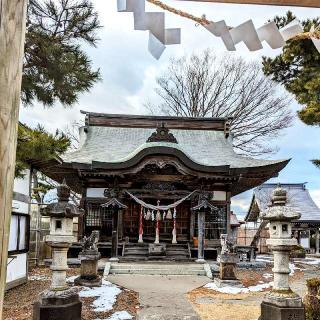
point(317, 236)
point(12, 34)
point(192, 220)
point(120, 224)
point(228, 213)
point(114, 244)
point(201, 222)
point(140, 240)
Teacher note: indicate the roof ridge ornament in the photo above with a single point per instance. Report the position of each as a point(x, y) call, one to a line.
point(162, 134)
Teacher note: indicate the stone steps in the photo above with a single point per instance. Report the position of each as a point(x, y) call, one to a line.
point(140, 252)
point(158, 269)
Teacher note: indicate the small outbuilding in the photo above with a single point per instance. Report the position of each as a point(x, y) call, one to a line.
point(305, 230)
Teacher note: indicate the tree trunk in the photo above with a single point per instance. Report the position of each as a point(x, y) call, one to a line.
point(12, 33)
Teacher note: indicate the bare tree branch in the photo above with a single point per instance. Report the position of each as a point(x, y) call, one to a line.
point(205, 85)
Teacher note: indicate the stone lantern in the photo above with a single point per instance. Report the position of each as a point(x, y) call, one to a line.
point(60, 301)
point(281, 302)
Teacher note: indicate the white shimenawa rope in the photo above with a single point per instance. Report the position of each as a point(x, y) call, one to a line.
point(153, 207)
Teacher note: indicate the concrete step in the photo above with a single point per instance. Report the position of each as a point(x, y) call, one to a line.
point(135, 252)
point(185, 266)
point(158, 272)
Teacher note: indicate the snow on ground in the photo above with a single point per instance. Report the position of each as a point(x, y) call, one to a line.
point(267, 275)
point(106, 296)
point(39, 278)
point(292, 268)
point(235, 290)
point(310, 261)
point(71, 279)
point(120, 315)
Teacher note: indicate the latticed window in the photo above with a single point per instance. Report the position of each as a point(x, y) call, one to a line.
point(215, 223)
point(98, 216)
point(93, 216)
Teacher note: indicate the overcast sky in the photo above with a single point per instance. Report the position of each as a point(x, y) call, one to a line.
point(129, 72)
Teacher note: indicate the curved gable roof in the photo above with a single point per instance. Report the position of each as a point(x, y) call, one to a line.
point(119, 145)
point(298, 198)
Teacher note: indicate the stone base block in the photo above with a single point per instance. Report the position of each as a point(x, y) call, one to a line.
point(223, 283)
point(57, 306)
point(200, 261)
point(270, 311)
point(87, 282)
point(114, 259)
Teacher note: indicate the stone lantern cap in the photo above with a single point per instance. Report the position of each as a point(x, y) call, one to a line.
point(62, 208)
point(278, 210)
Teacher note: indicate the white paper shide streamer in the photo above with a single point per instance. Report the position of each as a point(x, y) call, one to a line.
point(252, 37)
point(246, 32)
point(154, 22)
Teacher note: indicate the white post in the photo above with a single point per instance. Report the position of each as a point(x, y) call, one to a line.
point(174, 232)
point(157, 232)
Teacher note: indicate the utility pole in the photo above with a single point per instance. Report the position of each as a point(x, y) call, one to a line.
point(295, 3)
point(12, 34)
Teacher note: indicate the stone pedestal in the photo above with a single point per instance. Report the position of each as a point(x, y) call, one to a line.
point(273, 312)
point(228, 262)
point(89, 269)
point(58, 305)
point(157, 249)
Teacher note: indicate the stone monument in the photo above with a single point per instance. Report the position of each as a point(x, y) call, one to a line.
point(281, 303)
point(228, 260)
point(60, 301)
point(89, 257)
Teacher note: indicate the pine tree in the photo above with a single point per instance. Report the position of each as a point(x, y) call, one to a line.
point(55, 69)
point(55, 66)
point(298, 69)
point(38, 144)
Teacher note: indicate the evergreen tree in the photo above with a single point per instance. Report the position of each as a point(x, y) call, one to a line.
point(55, 66)
point(38, 144)
point(55, 69)
point(298, 69)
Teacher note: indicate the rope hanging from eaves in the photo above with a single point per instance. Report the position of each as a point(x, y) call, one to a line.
point(158, 207)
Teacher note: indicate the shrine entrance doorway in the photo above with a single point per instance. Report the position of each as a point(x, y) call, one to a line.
point(131, 220)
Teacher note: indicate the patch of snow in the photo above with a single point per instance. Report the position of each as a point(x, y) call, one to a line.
point(267, 275)
point(71, 279)
point(120, 315)
point(292, 268)
point(310, 261)
point(39, 278)
point(265, 259)
point(235, 290)
point(106, 296)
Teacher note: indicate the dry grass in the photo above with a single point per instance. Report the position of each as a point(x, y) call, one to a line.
point(18, 302)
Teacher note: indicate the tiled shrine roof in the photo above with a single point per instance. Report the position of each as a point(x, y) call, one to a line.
point(298, 198)
point(112, 144)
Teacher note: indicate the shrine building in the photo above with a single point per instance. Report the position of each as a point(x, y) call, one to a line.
point(158, 179)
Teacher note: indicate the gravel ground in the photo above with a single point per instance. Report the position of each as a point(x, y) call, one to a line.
point(18, 302)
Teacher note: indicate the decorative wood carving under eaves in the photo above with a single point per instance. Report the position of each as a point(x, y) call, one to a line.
point(162, 134)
